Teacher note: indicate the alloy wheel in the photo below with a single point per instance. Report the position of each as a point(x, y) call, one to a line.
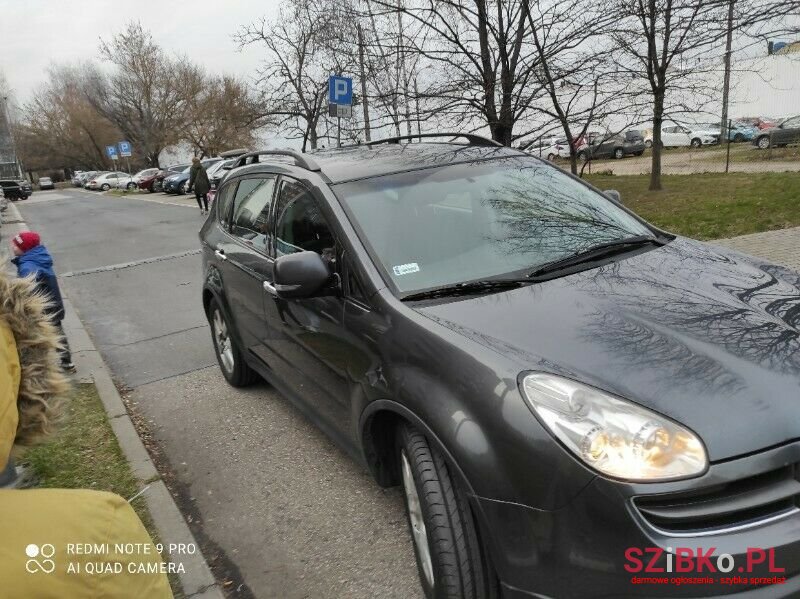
point(418, 530)
point(223, 339)
point(763, 143)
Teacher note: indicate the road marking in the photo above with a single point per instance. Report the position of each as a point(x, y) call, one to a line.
point(112, 267)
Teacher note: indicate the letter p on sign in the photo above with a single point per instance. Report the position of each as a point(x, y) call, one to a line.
point(340, 90)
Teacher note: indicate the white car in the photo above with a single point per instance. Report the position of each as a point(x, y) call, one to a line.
point(550, 148)
point(676, 136)
point(105, 181)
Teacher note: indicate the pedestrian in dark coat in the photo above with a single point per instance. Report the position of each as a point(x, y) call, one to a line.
point(32, 259)
point(198, 179)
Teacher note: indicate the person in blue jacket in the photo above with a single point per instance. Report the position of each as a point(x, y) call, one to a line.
point(33, 259)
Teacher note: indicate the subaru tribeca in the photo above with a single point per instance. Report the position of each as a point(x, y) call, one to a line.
point(575, 403)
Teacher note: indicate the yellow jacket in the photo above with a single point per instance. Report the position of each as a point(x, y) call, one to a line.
point(58, 543)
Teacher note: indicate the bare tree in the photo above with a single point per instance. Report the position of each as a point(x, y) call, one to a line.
point(147, 95)
point(224, 115)
point(59, 126)
point(299, 60)
point(582, 87)
point(672, 49)
point(479, 61)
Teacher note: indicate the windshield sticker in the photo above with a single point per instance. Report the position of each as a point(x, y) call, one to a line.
point(405, 269)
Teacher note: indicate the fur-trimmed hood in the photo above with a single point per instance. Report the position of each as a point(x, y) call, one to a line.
point(42, 384)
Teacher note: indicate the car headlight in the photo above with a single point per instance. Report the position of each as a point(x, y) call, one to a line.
point(614, 436)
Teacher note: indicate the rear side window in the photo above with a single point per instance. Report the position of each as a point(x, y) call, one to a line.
point(251, 209)
point(223, 202)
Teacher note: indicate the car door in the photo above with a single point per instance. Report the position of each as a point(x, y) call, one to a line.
point(788, 132)
point(246, 262)
point(308, 344)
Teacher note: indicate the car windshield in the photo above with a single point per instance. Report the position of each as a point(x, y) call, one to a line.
point(441, 226)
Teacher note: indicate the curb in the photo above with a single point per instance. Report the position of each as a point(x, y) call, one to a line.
point(197, 581)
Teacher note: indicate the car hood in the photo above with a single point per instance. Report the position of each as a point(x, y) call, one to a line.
point(706, 336)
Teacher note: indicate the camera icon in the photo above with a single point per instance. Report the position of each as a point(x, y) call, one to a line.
point(40, 558)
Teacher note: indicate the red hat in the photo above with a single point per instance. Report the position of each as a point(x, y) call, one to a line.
point(26, 240)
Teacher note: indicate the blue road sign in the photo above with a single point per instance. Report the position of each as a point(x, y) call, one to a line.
point(125, 149)
point(111, 152)
point(340, 90)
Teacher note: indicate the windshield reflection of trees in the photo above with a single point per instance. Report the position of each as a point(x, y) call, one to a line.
point(543, 212)
point(760, 322)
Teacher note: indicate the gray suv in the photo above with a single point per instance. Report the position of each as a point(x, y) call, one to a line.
point(566, 395)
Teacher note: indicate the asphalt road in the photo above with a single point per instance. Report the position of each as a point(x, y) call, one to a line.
point(292, 512)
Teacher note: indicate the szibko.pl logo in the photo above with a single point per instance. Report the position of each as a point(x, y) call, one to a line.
point(688, 559)
point(40, 558)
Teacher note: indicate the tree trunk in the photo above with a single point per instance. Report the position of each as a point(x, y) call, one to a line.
point(658, 119)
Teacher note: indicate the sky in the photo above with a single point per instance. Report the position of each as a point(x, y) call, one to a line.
point(38, 33)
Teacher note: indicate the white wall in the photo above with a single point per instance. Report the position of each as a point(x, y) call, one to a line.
point(767, 86)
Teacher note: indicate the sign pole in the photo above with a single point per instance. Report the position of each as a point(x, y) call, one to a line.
point(339, 131)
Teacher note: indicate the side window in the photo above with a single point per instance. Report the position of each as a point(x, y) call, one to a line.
point(251, 208)
point(223, 203)
point(300, 225)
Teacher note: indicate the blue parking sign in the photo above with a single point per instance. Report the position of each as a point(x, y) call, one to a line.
point(111, 152)
point(340, 90)
point(125, 149)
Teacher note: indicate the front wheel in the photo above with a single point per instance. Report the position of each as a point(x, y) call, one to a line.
point(105, 187)
point(235, 370)
point(131, 186)
point(450, 560)
point(763, 142)
point(551, 157)
point(696, 143)
point(738, 138)
point(648, 143)
point(619, 153)
point(182, 189)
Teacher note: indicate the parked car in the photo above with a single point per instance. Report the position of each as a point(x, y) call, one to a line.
point(16, 189)
point(550, 379)
point(46, 183)
point(105, 181)
point(84, 178)
point(76, 179)
point(611, 146)
point(136, 180)
point(635, 140)
point(549, 148)
point(158, 182)
point(178, 182)
point(647, 135)
point(787, 132)
point(759, 122)
point(702, 134)
point(675, 136)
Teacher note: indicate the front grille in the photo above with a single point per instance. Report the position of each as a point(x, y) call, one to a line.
point(737, 503)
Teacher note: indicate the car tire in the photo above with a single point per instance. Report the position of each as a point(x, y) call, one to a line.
point(105, 187)
point(619, 153)
point(182, 188)
point(444, 534)
point(235, 370)
point(551, 157)
point(131, 186)
point(763, 142)
point(583, 156)
point(648, 143)
point(738, 138)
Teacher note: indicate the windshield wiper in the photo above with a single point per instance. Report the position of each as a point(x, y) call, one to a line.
point(596, 252)
point(469, 288)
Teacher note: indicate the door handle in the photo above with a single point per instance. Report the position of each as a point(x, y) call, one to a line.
point(270, 288)
point(220, 254)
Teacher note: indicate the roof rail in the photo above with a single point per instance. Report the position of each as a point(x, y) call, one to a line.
point(233, 153)
point(474, 140)
point(300, 160)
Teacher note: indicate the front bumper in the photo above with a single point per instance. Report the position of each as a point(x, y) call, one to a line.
point(580, 549)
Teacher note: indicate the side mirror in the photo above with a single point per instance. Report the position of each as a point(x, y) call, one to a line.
point(614, 195)
point(299, 275)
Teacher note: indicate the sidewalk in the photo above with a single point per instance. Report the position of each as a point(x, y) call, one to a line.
point(197, 582)
point(781, 246)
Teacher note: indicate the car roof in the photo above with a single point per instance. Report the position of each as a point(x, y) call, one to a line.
point(363, 161)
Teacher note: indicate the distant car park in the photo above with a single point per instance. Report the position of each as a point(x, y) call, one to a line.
point(614, 146)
